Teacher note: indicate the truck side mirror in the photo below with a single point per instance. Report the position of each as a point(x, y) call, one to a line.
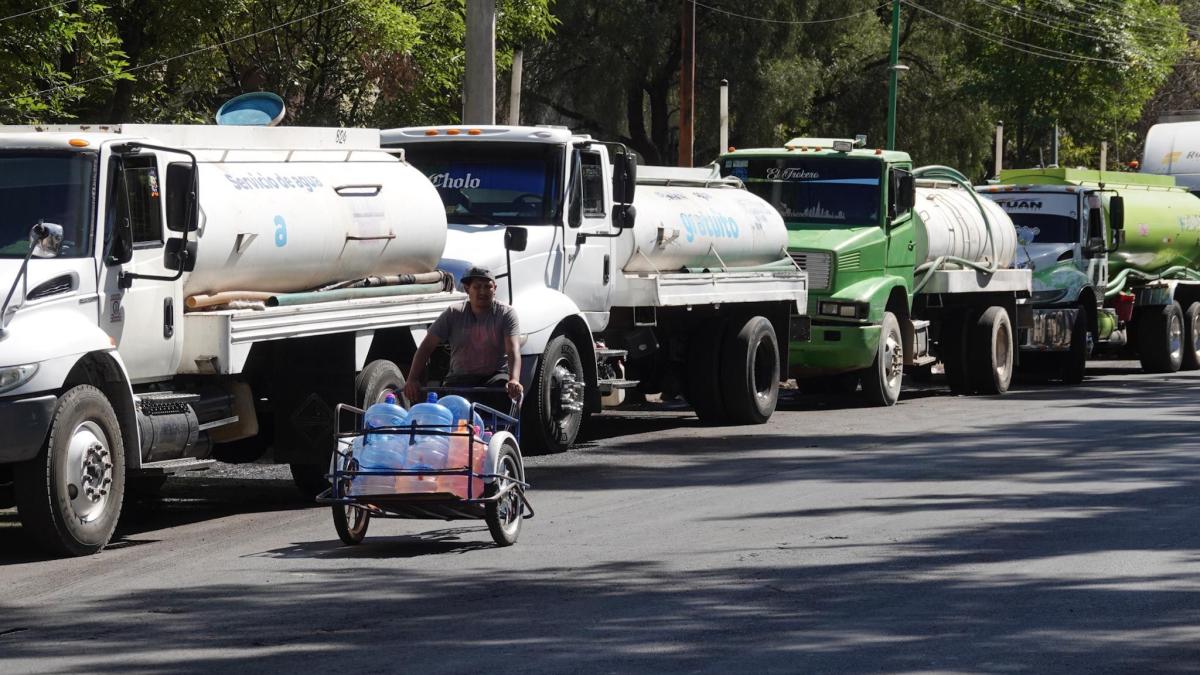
point(45, 240)
point(181, 198)
point(180, 254)
point(908, 192)
point(1116, 213)
point(901, 193)
point(624, 216)
point(515, 238)
point(624, 177)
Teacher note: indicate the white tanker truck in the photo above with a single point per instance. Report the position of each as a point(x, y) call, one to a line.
point(176, 294)
point(667, 280)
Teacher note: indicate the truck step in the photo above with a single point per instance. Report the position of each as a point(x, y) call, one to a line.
point(609, 385)
point(605, 353)
point(170, 467)
point(165, 402)
point(920, 361)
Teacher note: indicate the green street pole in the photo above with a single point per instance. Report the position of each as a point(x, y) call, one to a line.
point(894, 76)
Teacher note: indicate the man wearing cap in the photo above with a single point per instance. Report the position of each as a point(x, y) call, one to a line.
point(484, 348)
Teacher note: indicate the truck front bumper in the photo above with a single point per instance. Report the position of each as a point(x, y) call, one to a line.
point(834, 348)
point(1051, 330)
point(24, 423)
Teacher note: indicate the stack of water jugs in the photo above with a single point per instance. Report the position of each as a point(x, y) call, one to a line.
point(419, 439)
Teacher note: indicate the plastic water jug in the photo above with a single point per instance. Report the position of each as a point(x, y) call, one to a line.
point(368, 485)
point(384, 450)
point(461, 408)
point(429, 449)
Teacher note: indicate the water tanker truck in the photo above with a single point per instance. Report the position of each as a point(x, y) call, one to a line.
point(176, 294)
point(664, 280)
point(906, 266)
point(1173, 149)
point(1116, 258)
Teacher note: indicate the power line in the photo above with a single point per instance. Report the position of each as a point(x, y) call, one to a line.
point(34, 11)
point(1053, 22)
point(1032, 49)
point(720, 10)
point(182, 56)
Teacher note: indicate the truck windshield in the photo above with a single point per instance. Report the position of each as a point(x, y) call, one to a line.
point(1041, 217)
point(54, 187)
point(820, 190)
point(504, 183)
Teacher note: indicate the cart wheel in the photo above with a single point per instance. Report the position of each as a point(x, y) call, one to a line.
point(504, 516)
point(351, 523)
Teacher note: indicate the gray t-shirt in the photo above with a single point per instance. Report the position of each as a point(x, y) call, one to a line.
point(476, 341)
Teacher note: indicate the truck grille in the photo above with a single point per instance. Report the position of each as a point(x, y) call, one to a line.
point(817, 266)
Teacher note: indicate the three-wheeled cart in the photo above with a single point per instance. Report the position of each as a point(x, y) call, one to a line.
point(490, 486)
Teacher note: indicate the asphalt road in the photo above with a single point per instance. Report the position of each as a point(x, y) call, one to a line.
point(1049, 530)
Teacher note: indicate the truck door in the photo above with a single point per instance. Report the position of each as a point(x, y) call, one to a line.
point(143, 319)
point(1093, 233)
point(901, 233)
point(589, 265)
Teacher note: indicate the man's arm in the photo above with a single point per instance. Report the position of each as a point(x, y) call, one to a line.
point(416, 371)
point(512, 348)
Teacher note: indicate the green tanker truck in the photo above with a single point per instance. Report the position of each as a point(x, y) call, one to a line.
point(906, 266)
point(1116, 262)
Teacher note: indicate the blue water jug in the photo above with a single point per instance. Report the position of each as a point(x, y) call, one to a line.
point(430, 448)
point(461, 408)
point(384, 450)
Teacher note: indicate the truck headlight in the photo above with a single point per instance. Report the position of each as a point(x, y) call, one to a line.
point(842, 310)
point(15, 376)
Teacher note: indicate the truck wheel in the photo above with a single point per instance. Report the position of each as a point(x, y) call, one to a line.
point(553, 413)
point(991, 352)
point(750, 372)
point(69, 496)
point(1191, 338)
point(881, 381)
point(376, 380)
point(1160, 339)
point(704, 389)
point(504, 517)
point(952, 350)
point(1074, 362)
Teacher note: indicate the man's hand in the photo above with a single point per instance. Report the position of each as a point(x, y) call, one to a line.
point(514, 390)
point(411, 389)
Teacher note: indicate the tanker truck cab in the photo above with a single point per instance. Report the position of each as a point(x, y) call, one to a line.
point(160, 310)
point(1063, 235)
point(615, 271)
point(1147, 280)
point(855, 224)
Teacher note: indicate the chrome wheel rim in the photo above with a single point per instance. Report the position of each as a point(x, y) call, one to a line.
point(1175, 337)
point(893, 361)
point(566, 391)
point(89, 471)
point(1003, 353)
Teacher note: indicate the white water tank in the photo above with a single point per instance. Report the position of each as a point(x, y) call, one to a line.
point(293, 225)
point(954, 225)
point(693, 218)
point(1173, 149)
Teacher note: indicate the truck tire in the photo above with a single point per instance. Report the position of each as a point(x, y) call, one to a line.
point(69, 496)
point(952, 350)
point(1073, 364)
point(991, 352)
point(548, 422)
point(377, 379)
point(1191, 338)
point(881, 381)
point(704, 390)
point(750, 371)
point(1160, 339)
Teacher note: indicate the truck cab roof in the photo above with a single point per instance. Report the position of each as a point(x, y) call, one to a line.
point(190, 136)
point(1084, 177)
point(823, 147)
point(494, 132)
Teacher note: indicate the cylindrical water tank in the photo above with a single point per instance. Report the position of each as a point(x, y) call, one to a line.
point(954, 225)
point(292, 226)
point(681, 226)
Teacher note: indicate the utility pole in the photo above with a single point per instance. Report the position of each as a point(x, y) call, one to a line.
point(514, 89)
point(893, 75)
point(687, 81)
point(479, 89)
point(999, 149)
point(724, 147)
